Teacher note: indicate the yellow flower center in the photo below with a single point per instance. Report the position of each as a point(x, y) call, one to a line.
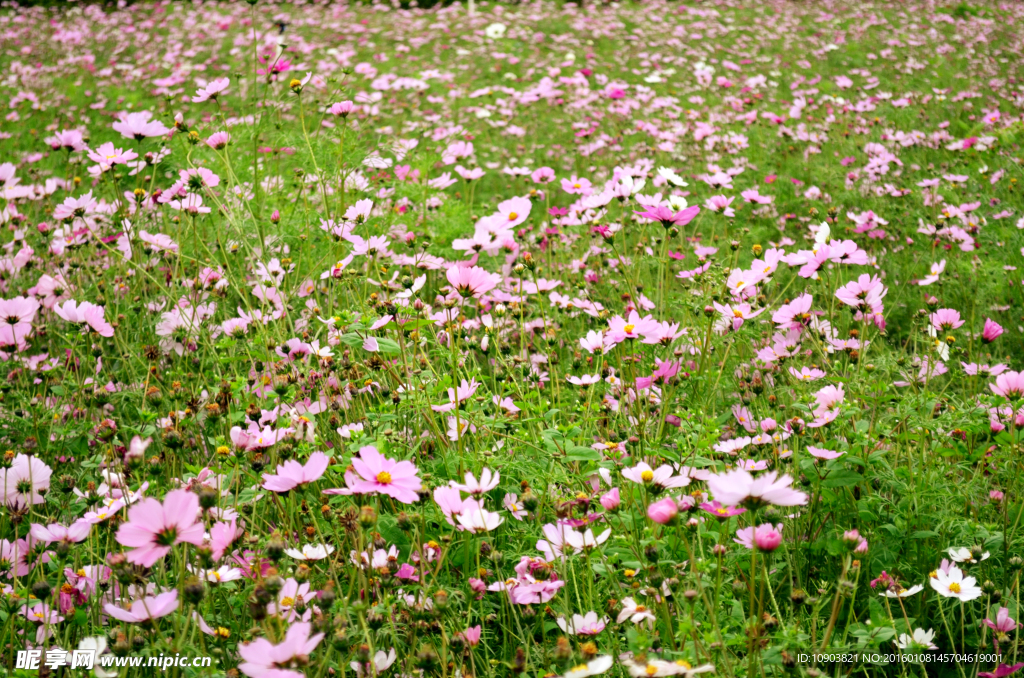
point(629, 573)
point(80, 573)
point(383, 477)
point(934, 574)
point(954, 588)
point(579, 667)
point(737, 313)
point(651, 670)
point(641, 608)
point(223, 632)
point(576, 186)
point(287, 601)
point(722, 511)
point(512, 216)
point(685, 664)
point(629, 329)
point(647, 476)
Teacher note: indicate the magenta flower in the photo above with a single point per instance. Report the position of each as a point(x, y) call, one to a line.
point(991, 331)
point(291, 474)
point(1001, 671)
point(153, 528)
point(379, 474)
point(1003, 622)
point(668, 217)
point(147, 609)
point(765, 537)
point(472, 281)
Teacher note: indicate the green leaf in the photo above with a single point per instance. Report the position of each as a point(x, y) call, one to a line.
point(842, 478)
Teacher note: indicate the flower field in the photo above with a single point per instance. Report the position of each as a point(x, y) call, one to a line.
point(512, 340)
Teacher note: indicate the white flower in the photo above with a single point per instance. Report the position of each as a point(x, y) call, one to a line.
point(921, 638)
point(670, 176)
point(635, 612)
point(97, 645)
point(821, 237)
point(903, 593)
point(963, 555)
point(586, 541)
point(479, 520)
point(381, 662)
point(311, 552)
point(677, 202)
point(594, 667)
point(954, 584)
point(495, 31)
point(656, 668)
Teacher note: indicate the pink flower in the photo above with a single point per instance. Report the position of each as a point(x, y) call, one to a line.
point(765, 537)
point(738, 486)
point(1009, 384)
point(472, 281)
point(85, 312)
point(611, 500)
point(991, 331)
point(291, 474)
point(795, 314)
point(458, 395)
point(866, 290)
point(342, 109)
point(379, 474)
point(1003, 622)
point(946, 319)
point(16, 316)
point(633, 327)
point(669, 217)
point(106, 156)
point(211, 91)
point(56, 532)
point(263, 659)
point(148, 608)
point(577, 186)
point(139, 125)
point(663, 511)
point(512, 212)
point(543, 175)
point(752, 196)
point(218, 140)
point(488, 481)
point(25, 482)
point(153, 528)
point(472, 635)
point(720, 203)
point(821, 453)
